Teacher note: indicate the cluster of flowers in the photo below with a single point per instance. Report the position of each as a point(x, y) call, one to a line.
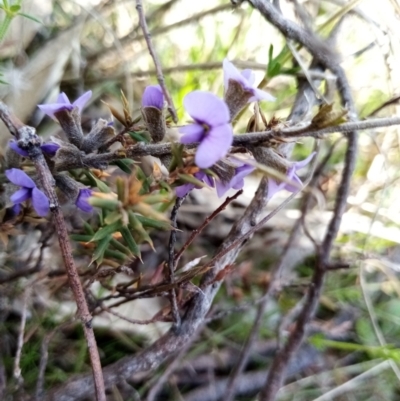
point(211, 129)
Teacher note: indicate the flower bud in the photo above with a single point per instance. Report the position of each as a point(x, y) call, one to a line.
point(100, 134)
point(70, 121)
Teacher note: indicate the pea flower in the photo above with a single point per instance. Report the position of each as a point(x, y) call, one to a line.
point(28, 190)
point(153, 97)
point(242, 170)
point(152, 112)
point(50, 148)
point(63, 103)
point(211, 127)
point(184, 189)
point(274, 186)
point(240, 88)
point(82, 200)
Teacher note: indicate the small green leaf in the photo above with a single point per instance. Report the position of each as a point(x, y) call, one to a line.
point(139, 136)
point(109, 253)
point(130, 242)
point(109, 204)
point(106, 231)
point(88, 228)
point(124, 165)
point(95, 182)
point(138, 228)
point(15, 8)
point(101, 247)
point(151, 223)
point(192, 180)
point(30, 17)
point(112, 217)
point(81, 237)
point(120, 247)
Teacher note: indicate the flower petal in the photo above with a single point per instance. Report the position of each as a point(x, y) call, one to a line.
point(18, 177)
point(153, 97)
point(241, 172)
point(222, 188)
point(50, 148)
point(82, 200)
point(193, 133)
point(50, 109)
point(294, 187)
point(231, 72)
point(63, 99)
point(183, 190)
point(14, 146)
point(214, 146)
point(82, 100)
point(261, 95)
point(299, 165)
point(274, 187)
point(205, 107)
point(40, 202)
point(249, 75)
point(21, 195)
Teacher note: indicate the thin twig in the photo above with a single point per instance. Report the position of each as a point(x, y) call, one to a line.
point(160, 76)
point(20, 341)
point(248, 139)
point(207, 221)
point(27, 138)
point(171, 260)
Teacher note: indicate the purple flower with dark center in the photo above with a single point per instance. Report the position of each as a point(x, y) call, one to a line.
point(153, 97)
point(246, 79)
point(184, 189)
point(211, 127)
point(50, 148)
point(82, 200)
point(28, 190)
point(274, 186)
point(242, 170)
point(63, 103)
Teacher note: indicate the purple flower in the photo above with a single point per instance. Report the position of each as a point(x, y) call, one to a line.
point(28, 190)
point(274, 187)
point(242, 169)
point(82, 200)
point(153, 97)
point(184, 189)
point(50, 148)
point(211, 127)
point(246, 79)
point(63, 103)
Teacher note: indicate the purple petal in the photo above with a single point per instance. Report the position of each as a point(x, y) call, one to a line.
point(14, 146)
point(193, 133)
point(294, 187)
point(16, 209)
point(21, 195)
point(214, 146)
point(63, 99)
point(222, 188)
point(202, 176)
point(82, 200)
point(231, 72)
point(183, 190)
point(249, 76)
point(50, 109)
point(82, 100)
point(153, 97)
point(206, 108)
point(50, 148)
point(299, 165)
point(18, 177)
point(274, 187)
point(40, 202)
point(237, 181)
point(261, 95)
